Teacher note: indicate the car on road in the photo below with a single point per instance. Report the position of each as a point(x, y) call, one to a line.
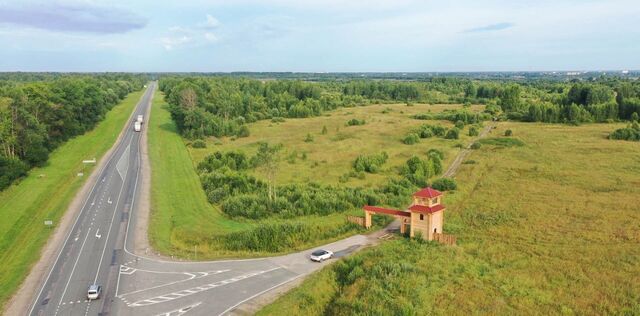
point(321, 255)
point(137, 126)
point(94, 292)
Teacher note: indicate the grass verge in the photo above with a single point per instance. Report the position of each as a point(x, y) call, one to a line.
point(45, 194)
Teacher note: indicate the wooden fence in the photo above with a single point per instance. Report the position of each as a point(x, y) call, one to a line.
point(449, 240)
point(356, 220)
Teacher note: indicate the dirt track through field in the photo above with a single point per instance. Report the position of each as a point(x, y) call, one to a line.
point(453, 168)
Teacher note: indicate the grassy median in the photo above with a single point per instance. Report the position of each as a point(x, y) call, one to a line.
point(45, 195)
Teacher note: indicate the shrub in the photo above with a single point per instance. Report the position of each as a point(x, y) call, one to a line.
point(411, 138)
point(476, 145)
point(309, 138)
point(444, 184)
point(631, 133)
point(199, 143)
point(277, 119)
point(469, 162)
point(473, 131)
point(459, 124)
point(243, 131)
point(370, 163)
point(355, 122)
point(418, 171)
point(10, 170)
point(453, 133)
point(508, 132)
point(427, 130)
point(635, 117)
point(324, 130)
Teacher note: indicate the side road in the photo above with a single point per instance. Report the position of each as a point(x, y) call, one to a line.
point(19, 304)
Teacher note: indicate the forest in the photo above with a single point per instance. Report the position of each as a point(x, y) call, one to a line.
point(38, 112)
point(221, 106)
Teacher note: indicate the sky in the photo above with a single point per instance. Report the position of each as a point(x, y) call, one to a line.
point(318, 35)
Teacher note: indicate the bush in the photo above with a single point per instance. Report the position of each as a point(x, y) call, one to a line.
point(243, 131)
point(635, 117)
point(199, 143)
point(453, 133)
point(476, 145)
point(11, 170)
point(324, 130)
point(631, 133)
point(411, 138)
point(444, 184)
point(309, 138)
point(459, 124)
point(355, 122)
point(370, 163)
point(508, 132)
point(473, 131)
point(277, 119)
point(418, 171)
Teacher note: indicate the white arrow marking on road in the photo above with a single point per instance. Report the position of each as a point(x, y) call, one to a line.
point(109, 201)
point(97, 233)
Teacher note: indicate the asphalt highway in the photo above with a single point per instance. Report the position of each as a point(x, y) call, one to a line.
point(97, 251)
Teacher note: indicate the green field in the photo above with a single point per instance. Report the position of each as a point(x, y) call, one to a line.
point(45, 195)
point(182, 220)
point(550, 227)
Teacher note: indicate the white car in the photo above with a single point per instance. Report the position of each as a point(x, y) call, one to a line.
point(94, 292)
point(321, 255)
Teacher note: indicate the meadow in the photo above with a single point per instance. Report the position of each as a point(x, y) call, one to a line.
point(548, 227)
point(46, 193)
point(182, 219)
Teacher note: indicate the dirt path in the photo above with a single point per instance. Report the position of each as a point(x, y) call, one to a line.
point(453, 168)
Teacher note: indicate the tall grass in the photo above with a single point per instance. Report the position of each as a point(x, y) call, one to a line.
point(546, 228)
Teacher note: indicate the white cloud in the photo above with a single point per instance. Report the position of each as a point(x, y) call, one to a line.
point(210, 37)
point(195, 35)
point(171, 43)
point(211, 22)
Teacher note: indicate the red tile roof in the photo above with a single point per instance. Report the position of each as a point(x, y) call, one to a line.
point(428, 192)
point(426, 209)
point(388, 211)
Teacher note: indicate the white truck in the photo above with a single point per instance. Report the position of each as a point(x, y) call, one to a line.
point(140, 118)
point(137, 126)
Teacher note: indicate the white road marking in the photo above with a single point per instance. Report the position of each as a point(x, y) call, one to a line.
point(111, 224)
point(180, 311)
point(192, 276)
point(98, 233)
point(175, 295)
point(123, 163)
point(74, 266)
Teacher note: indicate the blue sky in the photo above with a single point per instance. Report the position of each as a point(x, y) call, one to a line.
point(318, 35)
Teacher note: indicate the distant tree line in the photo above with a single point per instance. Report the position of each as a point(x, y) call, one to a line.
point(38, 116)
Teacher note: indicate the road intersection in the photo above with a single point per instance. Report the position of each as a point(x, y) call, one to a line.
point(98, 250)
